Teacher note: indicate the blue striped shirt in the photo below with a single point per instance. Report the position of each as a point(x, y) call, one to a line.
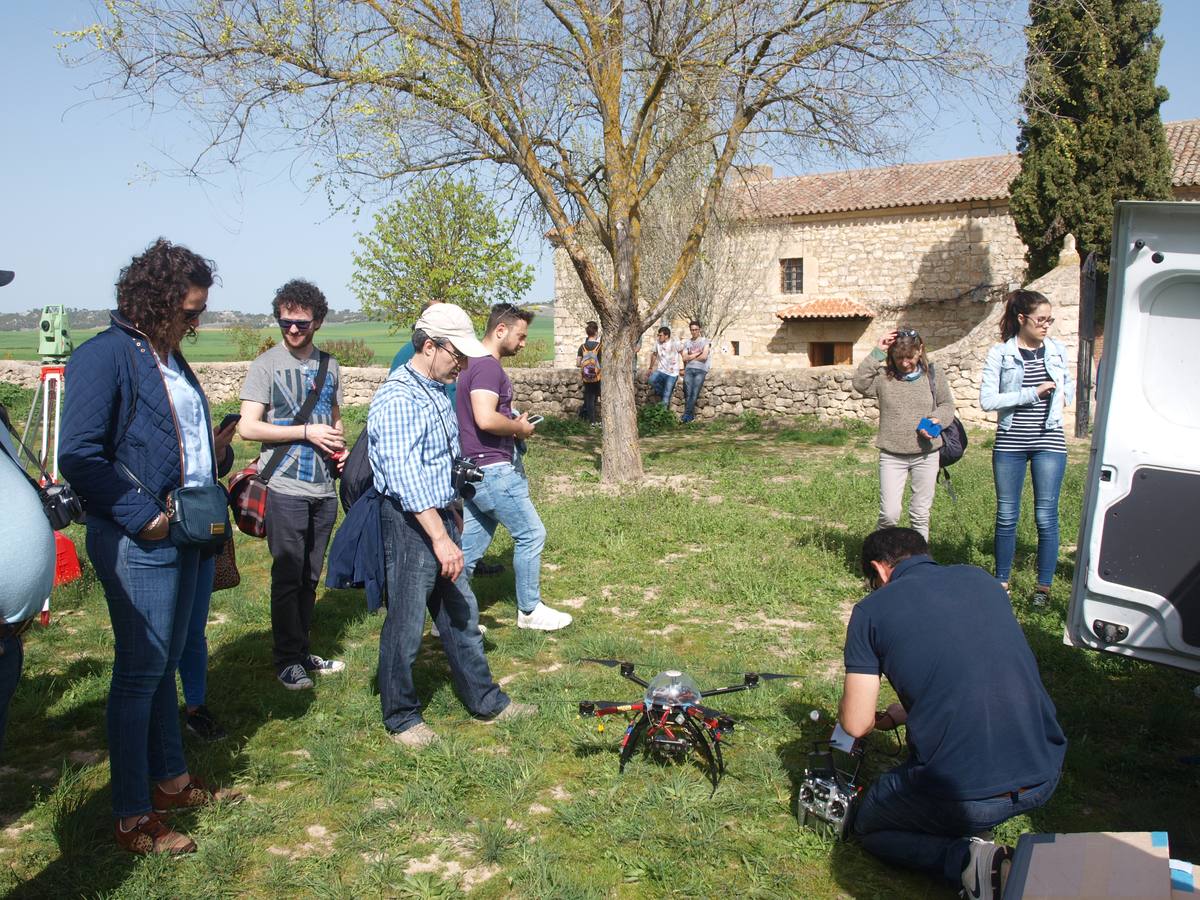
point(412, 439)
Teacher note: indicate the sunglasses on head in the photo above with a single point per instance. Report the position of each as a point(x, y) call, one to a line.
point(908, 333)
point(299, 324)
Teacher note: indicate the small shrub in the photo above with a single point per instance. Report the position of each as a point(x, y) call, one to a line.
point(350, 353)
point(656, 419)
point(266, 345)
point(751, 421)
point(16, 400)
point(246, 340)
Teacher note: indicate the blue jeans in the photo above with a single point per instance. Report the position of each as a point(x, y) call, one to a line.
point(1047, 467)
point(413, 583)
point(693, 380)
point(502, 498)
point(905, 827)
point(149, 586)
point(663, 385)
point(12, 657)
point(193, 662)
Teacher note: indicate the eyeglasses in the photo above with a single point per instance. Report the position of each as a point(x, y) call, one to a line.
point(1040, 321)
point(461, 358)
point(193, 315)
point(301, 325)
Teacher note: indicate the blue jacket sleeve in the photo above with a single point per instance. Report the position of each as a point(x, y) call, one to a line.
point(90, 422)
point(990, 397)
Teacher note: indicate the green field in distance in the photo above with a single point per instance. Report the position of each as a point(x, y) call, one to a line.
point(214, 345)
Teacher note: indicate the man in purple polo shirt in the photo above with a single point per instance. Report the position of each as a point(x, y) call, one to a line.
point(489, 431)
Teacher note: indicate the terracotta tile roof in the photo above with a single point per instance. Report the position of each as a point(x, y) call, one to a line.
point(1184, 140)
point(923, 184)
point(826, 308)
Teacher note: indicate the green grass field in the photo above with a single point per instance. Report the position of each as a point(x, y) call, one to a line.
point(739, 552)
point(214, 345)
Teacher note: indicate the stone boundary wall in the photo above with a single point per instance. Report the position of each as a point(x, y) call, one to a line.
point(825, 391)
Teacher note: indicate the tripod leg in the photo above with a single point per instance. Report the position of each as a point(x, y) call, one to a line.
point(633, 739)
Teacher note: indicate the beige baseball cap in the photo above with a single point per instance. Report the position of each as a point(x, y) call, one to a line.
point(446, 321)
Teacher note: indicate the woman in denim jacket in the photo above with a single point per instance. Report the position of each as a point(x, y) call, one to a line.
point(1027, 381)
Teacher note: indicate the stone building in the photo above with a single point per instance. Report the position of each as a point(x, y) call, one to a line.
point(842, 257)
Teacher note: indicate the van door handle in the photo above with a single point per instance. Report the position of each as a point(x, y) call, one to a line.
point(1106, 474)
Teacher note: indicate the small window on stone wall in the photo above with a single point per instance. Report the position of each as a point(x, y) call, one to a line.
point(830, 353)
point(735, 347)
point(791, 276)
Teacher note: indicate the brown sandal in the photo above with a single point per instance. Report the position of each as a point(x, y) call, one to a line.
point(151, 835)
point(193, 794)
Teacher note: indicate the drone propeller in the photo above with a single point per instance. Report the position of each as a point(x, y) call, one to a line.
point(625, 665)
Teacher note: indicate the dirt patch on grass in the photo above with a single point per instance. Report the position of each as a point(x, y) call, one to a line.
point(761, 620)
point(554, 487)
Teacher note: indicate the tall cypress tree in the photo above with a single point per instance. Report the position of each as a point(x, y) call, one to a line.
point(1091, 133)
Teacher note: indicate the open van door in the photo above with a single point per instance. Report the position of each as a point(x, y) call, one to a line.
point(1137, 574)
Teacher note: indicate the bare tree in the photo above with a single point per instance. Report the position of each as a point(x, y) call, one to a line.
point(570, 100)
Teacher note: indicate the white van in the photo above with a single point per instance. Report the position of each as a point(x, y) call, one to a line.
point(1137, 574)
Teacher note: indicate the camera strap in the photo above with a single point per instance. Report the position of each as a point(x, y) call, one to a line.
point(441, 419)
point(15, 458)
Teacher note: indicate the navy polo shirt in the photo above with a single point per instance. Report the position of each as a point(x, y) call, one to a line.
point(980, 722)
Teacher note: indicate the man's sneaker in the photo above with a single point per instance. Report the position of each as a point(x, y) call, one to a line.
point(420, 735)
point(1040, 598)
point(514, 710)
point(543, 618)
point(485, 569)
point(201, 723)
point(982, 879)
point(294, 678)
point(315, 665)
point(433, 629)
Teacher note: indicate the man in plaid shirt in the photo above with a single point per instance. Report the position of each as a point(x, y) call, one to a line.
point(412, 443)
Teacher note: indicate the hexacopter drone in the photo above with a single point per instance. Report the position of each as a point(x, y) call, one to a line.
point(670, 717)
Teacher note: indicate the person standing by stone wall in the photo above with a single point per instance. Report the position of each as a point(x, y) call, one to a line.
point(588, 360)
point(664, 366)
point(897, 374)
point(697, 359)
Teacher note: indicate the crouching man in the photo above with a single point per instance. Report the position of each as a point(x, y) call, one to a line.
point(413, 441)
point(983, 741)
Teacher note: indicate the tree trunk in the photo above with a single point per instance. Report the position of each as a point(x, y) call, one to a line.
point(621, 458)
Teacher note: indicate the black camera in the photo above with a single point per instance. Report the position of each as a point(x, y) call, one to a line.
point(464, 475)
point(61, 505)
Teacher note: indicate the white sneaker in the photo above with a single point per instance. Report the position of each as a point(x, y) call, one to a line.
point(433, 629)
point(983, 878)
point(543, 618)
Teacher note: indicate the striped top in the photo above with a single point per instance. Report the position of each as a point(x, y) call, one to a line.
point(1028, 429)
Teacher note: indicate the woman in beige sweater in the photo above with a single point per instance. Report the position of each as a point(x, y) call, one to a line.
point(897, 374)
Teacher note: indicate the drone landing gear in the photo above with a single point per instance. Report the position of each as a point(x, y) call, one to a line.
point(633, 736)
point(716, 766)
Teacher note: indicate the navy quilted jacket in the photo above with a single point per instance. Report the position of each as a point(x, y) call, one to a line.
point(116, 408)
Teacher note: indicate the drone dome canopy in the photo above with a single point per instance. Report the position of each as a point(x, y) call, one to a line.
point(672, 688)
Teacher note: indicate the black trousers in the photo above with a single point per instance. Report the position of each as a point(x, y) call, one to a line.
point(298, 530)
point(591, 394)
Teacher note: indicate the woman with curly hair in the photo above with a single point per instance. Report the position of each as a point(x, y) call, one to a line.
point(134, 407)
point(897, 374)
point(1027, 381)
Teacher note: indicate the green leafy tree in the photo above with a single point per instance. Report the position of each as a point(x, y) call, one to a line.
point(442, 242)
point(1091, 133)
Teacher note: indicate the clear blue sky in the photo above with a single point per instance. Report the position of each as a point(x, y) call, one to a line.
point(80, 196)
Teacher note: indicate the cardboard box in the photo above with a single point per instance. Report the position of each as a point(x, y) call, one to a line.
point(1132, 865)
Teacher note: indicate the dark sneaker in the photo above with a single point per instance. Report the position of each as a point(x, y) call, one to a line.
point(315, 665)
point(201, 723)
point(485, 569)
point(982, 879)
point(1040, 598)
point(294, 678)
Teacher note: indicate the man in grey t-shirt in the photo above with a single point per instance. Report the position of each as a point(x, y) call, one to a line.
point(302, 501)
point(697, 360)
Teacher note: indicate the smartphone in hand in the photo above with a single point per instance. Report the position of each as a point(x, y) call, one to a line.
point(231, 419)
point(536, 420)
